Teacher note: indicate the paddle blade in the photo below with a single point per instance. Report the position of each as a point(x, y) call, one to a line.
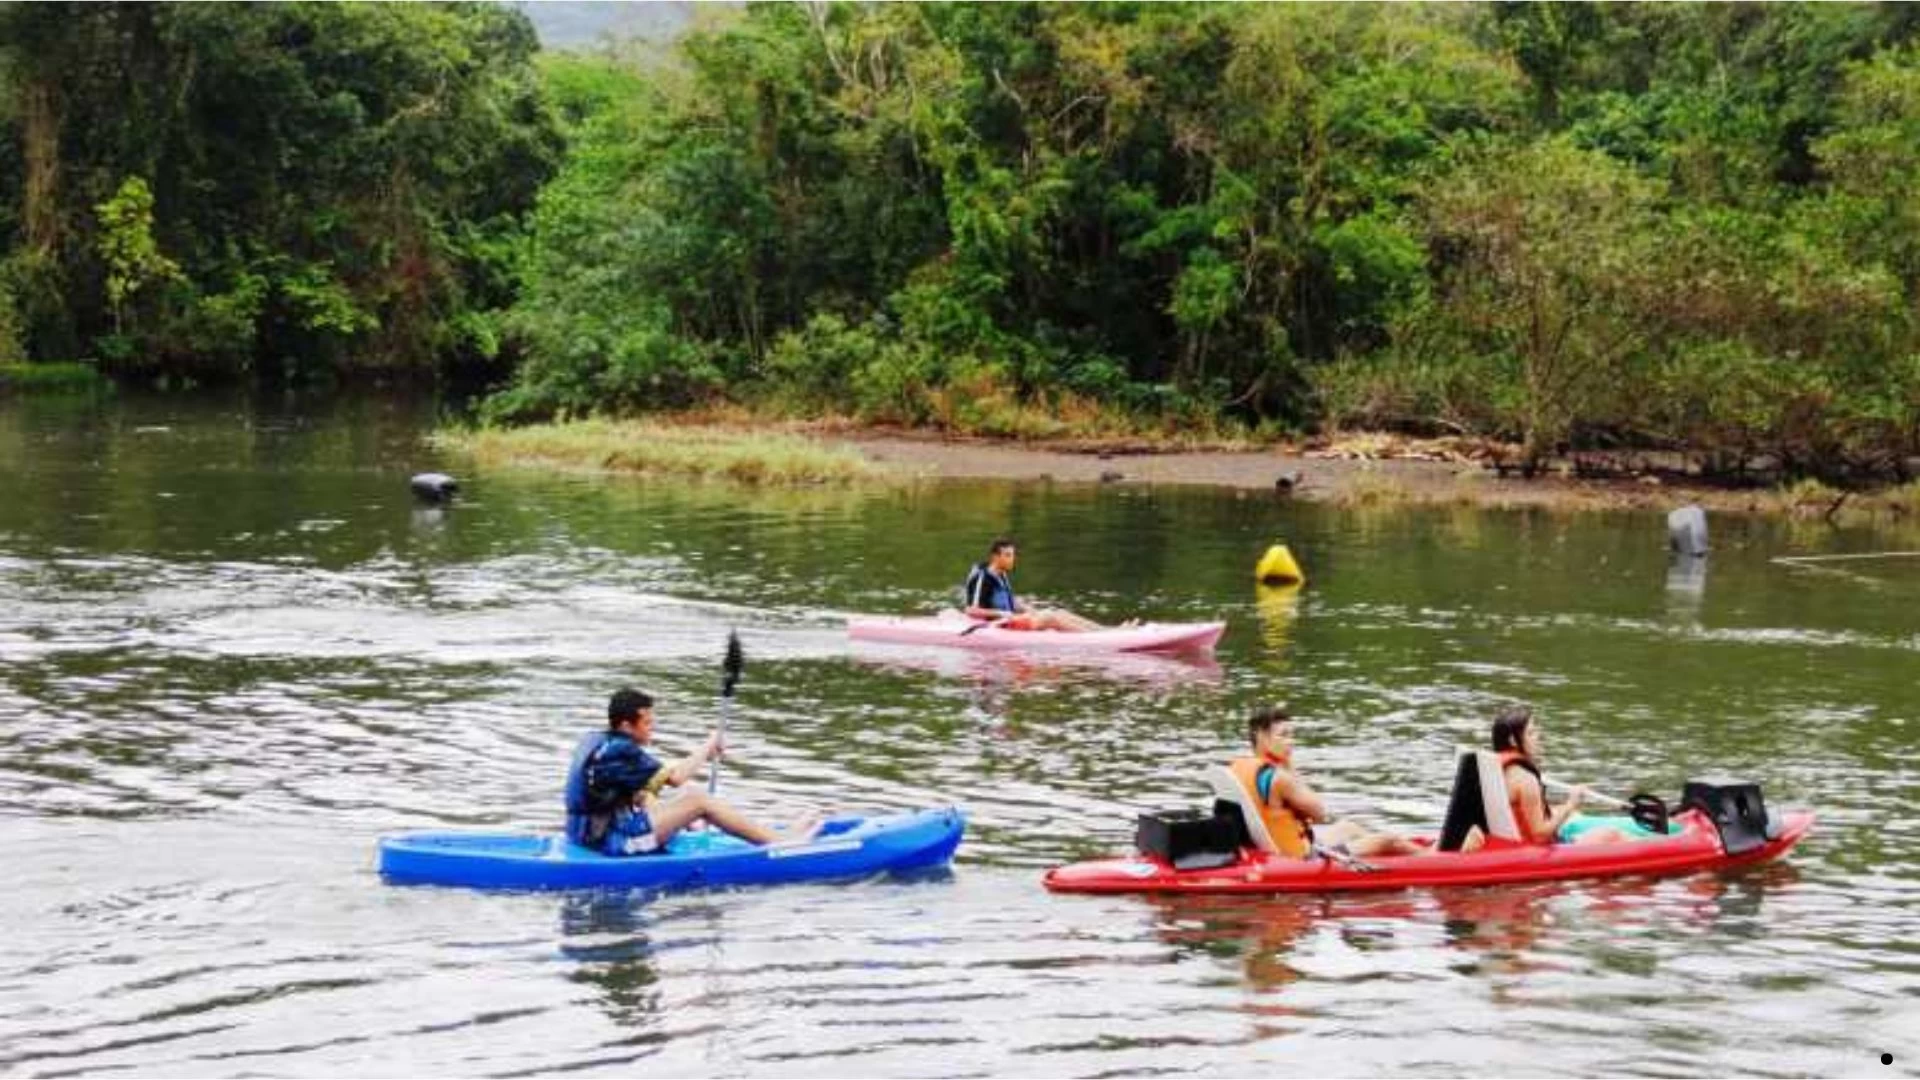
point(731, 667)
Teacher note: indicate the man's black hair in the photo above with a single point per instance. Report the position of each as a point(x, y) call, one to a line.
point(1000, 544)
point(625, 705)
point(1264, 719)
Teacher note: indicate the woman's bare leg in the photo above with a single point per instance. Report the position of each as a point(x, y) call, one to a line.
point(1607, 835)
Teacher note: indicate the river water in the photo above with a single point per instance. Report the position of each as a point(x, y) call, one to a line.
point(233, 653)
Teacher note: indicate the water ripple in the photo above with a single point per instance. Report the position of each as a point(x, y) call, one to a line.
point(211, 708)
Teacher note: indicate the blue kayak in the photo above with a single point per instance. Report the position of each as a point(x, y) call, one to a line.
point(845, 847)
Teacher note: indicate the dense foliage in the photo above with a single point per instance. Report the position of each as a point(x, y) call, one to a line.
point(1691, 226)
point(1683, 226)
point(217, 187)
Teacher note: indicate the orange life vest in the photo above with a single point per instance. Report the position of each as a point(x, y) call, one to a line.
point(1515, 757)
point(1291, 833)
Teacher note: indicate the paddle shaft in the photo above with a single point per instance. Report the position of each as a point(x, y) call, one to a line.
point(1604, 800)
point(713, 768)
point(730, 668)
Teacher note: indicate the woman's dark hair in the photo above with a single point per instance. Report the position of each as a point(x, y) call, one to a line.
point(625, 705)
point(999, 545)
point(1264, 719)
point(1510, 727)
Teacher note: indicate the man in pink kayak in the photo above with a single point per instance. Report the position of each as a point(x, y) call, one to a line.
point(989, 596)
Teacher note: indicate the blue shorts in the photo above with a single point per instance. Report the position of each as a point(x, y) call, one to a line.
point(630, 833)
point(1582, 823)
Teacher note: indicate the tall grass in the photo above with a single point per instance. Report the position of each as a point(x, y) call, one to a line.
point(646, 446)
point(58, 378)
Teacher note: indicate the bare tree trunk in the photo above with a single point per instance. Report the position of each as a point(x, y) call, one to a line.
point(40, 110)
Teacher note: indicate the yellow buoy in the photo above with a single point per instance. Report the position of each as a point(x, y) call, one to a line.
point(1277, 567)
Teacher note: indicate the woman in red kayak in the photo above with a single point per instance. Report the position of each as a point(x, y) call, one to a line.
point(1290, 809)
point(1516, 738)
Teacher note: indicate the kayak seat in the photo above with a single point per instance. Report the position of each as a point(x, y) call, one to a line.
point(1227, 789)
point(1479, 798)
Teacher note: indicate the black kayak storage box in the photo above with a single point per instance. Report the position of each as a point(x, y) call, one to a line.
point(1737, 810)
point(1190, 839)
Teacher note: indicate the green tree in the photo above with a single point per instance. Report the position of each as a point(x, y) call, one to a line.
point(1544, 280)
point(343, 181)
point(133, 260)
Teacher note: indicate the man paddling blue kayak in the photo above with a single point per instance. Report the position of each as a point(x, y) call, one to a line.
point(621, 834)
point(614, 786)
point(989, 597)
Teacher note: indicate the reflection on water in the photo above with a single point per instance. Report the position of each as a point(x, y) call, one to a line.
point(234, 651)
point(1277, 607)
point(604, 935)
point(1686, 585)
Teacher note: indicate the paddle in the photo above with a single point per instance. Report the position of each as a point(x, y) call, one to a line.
point(730, 676)
point(1648, 811)
point(1599, 797)
point(1351, 862)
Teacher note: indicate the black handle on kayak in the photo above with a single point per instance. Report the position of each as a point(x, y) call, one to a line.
point(1649, 812)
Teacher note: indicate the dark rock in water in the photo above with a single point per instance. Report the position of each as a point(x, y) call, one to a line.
point(1287, 485)
point(1110, 476)
point(434, 487)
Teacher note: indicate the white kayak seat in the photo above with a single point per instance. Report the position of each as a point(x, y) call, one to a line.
point(1479, 799)
point(1227, 788)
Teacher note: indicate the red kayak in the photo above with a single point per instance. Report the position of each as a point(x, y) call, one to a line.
point(1694, 845)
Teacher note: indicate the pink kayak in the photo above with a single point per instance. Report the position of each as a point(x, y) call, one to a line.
point(953, 628)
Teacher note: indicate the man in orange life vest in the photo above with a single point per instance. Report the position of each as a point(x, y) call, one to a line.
point(1291, 809)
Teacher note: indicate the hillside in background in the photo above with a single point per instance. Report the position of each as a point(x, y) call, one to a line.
point(570, 24)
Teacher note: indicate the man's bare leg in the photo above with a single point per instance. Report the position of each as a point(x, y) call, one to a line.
point(1058, 619)
point(1363, 843)
point(676, 814)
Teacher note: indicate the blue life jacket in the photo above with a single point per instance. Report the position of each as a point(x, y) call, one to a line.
point(607, 770)
point(987, 588)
